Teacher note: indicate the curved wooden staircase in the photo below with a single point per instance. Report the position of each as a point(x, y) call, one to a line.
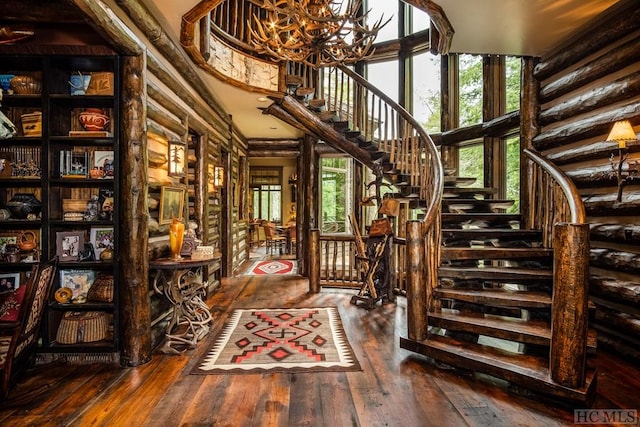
point(482, 295)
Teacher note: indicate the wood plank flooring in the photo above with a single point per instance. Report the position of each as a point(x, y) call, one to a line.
point(394, 388)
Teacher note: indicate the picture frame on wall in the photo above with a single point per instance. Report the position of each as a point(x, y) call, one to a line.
point(101, 238)
point(69, 244)
point(9, 282)
point(171, 204)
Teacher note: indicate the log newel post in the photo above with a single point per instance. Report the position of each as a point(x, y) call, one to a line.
point(569, 318)
point(416, 283)
point(134, 302)
point(314, 264)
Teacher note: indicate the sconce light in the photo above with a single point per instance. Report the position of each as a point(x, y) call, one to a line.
point(177, 158)
point(622, 132)
point(218, 176)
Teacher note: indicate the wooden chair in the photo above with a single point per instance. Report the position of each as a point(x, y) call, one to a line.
point(274, 240)
point(293, 239)
point(19, 338)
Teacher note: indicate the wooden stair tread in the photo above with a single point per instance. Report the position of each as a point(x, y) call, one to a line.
point(527, 331)
point(497, 297)
point(449, 217)
point(455, 191)
point(476, 204)
point(496, 273)
point(458, 180)
point(491, 234)
point(494, 253)
point(525, 371)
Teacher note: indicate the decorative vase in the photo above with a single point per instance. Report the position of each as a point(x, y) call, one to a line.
point(23, 204)
point(94, 119)
point(176, 237)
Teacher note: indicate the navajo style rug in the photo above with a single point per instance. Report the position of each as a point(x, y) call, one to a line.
point(273, 267)
point(280, 340)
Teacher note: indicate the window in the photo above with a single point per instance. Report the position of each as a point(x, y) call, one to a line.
point(471, 163)
point(387, 9)
point(385, 76)
point(512, 74)
point(470, 90)
point(513, 173)
point(336, 194)
point(266, 185)
point(426, 91)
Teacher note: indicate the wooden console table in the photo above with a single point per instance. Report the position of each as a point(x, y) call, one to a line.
point(180, 281)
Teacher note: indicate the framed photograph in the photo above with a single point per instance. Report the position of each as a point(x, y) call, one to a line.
point(171, 204)
point(79, 281)
point(7, 238)
point(104, 160)
point(101, 238)
point(5, 165)
point(69, 244)
point(177, 158)
point(9, 282)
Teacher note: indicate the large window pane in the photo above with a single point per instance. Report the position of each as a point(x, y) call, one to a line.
point(336, 194)
point(471, 163)
point(513, 173)
point(470, 89)
point(385, 76)
point(426, 91)
point(385, 9)
point(420, 21)
point(513, 66)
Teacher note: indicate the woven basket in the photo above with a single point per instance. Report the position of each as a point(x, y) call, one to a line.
point(102, 289)
point(80, 327)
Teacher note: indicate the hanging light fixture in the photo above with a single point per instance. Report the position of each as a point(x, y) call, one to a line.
point(314, 32)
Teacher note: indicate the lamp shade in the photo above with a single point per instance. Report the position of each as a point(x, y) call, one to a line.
point(621, 132)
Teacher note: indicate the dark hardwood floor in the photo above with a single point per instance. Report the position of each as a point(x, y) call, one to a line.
point(394, 388)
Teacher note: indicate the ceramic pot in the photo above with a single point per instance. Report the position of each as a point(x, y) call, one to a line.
point(94, 119)
point(26, 85)
point(176, 238)
point(27, 241)
point(24, 204)
point(106, 255)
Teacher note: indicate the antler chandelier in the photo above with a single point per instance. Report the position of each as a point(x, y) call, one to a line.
point(314, 32)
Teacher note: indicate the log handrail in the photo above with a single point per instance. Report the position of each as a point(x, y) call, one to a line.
point(576, 205)
point(570, 242)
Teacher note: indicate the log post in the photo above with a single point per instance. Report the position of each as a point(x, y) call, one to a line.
point(416, 286)
point(314, 265)
point(134, 313)
point(569, 317)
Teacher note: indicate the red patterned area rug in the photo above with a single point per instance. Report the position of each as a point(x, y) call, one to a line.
point(273, 267)
point(280, 340)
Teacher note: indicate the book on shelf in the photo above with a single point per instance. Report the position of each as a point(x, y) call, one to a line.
point(90, 134)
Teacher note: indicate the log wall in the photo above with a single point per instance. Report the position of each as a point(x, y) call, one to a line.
point(583, 89)
point(179, 108)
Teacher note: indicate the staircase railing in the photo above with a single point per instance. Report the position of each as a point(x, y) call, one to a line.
point(557, 208)
point(380, 119)
point(415, 158)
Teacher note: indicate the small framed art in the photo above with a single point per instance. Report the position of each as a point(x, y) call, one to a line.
point(9, 281)
point(177, 158)
point(171, 204)
point(69, 244)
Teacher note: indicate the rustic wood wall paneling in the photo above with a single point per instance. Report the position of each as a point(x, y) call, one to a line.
point(585, 88)
point(134, 263)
